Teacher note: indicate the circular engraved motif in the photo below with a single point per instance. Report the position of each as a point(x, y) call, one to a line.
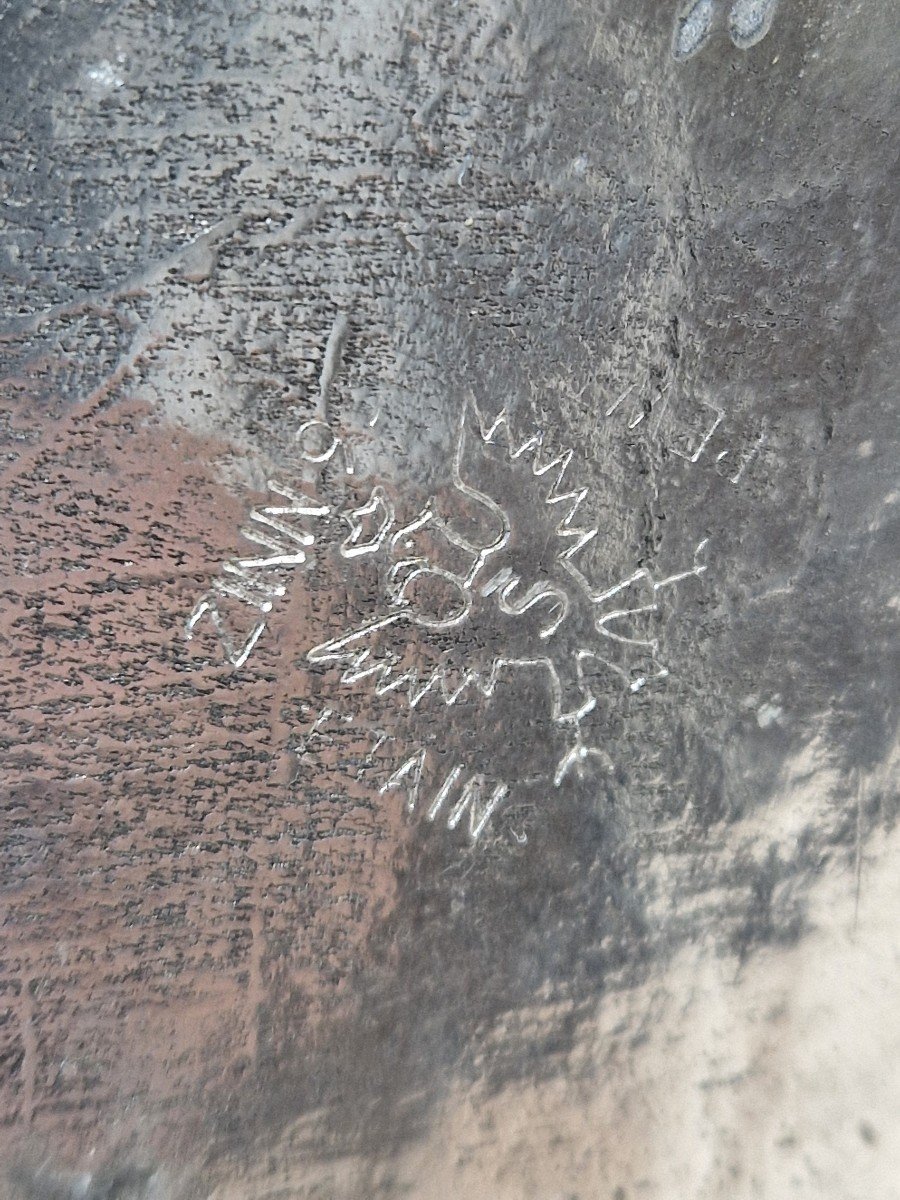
point(478, 607)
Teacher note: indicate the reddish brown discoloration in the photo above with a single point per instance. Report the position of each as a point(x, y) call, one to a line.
point(161, 847)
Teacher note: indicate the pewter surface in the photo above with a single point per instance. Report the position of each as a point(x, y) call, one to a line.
point(449, 600)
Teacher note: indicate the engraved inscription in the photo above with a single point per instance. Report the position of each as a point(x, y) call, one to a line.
point(285, 532)
point(489, 590)
point(508, 579)
point(259, 580)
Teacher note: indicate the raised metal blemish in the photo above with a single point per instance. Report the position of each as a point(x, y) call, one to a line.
point(748, 22)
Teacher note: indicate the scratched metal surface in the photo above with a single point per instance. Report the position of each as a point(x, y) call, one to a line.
point(449, 600)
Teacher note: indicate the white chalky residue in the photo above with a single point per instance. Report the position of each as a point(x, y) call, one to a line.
point(105, 76)
point(768, 714)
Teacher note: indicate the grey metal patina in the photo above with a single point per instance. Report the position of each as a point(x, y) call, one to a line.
point(449, 602)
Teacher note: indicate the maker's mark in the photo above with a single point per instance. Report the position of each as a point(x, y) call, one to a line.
point(498, 561)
